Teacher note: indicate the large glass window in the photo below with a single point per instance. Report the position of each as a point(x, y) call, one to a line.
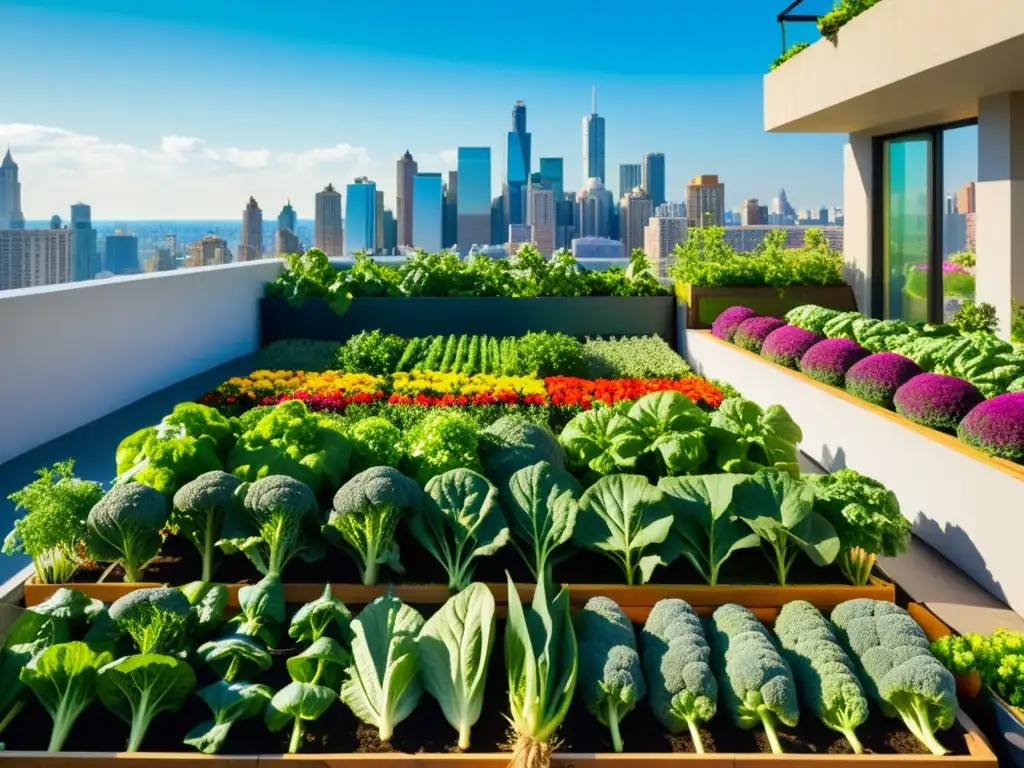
point(960, 173)
point(907, 219)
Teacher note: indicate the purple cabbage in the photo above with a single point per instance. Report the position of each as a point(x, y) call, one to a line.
point(877, 377)
point(996, 427)
point(786, 345)
point(829, 360)
point(751, 333)
point(937, 401)
point(725, 325)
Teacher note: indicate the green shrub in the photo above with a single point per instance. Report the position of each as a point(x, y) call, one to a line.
point(371, 352)
point(637, 357)
point(298, 355)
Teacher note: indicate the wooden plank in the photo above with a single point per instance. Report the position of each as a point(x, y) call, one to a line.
point(126, 760)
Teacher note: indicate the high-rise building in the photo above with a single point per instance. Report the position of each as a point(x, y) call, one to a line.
point(966, 198)
point(517, 171)
point(750, 213)
point(630, 175)
point(11, 216)
point(552, 171)
point(474, 197)
point(661, 236)
point(541, 217)
point(593, 210)
point(450, 235)
point(428, 216)
point(404, 207)
point(288, 218)
point(209, 251)
point(251, 248)
point(518, 236)
point(32, 257)
point(328, 230)
point(162, 260)
point(499, 221)
point(86, 255)
point(593, 143)
point(361, 216)
point(705, 202)
point(654, 176)
point(670, 211)
point(378, 239)
point(780, 211)
point(287, 242)
point(635, 210)
point(597, 248)
point(121, 253)
point(390, 231)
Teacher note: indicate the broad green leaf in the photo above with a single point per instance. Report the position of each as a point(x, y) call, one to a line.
point(669, 411)
point(323, 663)
point(327, 616)
point(746, 438)
point(70, 605)
point(297, 703)
point(208, 602)
point(602, 440)
point(235, 657)
point(681, 452)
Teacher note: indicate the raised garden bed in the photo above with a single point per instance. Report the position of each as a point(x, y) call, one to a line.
point(574, 316)
point(706, 304)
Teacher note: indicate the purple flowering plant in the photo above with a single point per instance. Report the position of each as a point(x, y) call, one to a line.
point(829, 360)
point(785, 346)
point(725, 325)
point(876, 378)
point(750, 334)
point(996, 427)
point(937, 401)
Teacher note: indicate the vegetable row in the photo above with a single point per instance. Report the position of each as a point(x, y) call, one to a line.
point(934, 376)
point(145, 654)
point(997, 658)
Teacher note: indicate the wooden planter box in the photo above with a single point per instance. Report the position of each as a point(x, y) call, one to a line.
point(706, 304)
point(962, 502)
point(575, 316)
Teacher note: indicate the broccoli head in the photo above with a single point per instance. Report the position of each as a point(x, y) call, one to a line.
point(276, 523)
point(676, 659)
point(159, 620)
point(609, 677)
point(512, 443)
point(365, 517)
point(200, 508)
point(125, 527)
point(757, 683)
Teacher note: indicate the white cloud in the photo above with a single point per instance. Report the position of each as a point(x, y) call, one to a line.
point(450, 156)
point(437, 162)
point(182, 177)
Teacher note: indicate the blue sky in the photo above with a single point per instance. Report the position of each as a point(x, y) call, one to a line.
point(181, 108)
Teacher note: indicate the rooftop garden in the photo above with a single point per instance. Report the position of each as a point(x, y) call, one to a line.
point(828, 25)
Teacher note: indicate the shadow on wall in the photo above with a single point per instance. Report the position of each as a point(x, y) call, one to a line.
point(857, 280)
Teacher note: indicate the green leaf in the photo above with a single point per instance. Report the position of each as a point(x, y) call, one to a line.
point(747, 439)
point(660, 412)
point(326, 616)
point(628, 520)
point(235, 657)
point(338, 297)
point(323, 663)
point(602, 440)
point(72, 606)
point(208, 602)
point(262, 609)
point(229, 702)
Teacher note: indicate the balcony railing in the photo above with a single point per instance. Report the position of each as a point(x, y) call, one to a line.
point(788, 16)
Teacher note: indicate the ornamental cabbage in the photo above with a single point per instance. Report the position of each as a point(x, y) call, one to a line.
point(725, 325)
point(996, 427)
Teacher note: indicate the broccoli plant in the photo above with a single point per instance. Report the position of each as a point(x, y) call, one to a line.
point(365, 516)
point(159, 619)
point(191, 440)
point(138, 688)
point(200, 508)
point(76, 608)
point(458, 522)
point(867, 519)
point(235, 657)
point(893, 662)
point(453, 651)
point(229, 702)
point(609, 676)
point(512, 443)
point(63, 678)
point(52, 530)
point(125, 527)
point(826, 680)
point(757, 683)
point(676, 661)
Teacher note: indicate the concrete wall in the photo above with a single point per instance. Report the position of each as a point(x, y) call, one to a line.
point(72, 354)
point(964, 506)
point(858, 165)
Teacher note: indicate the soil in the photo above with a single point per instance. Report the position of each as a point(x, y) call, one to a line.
point(179, 563)
point(427, 731)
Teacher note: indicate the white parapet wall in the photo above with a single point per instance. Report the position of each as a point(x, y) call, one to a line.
point(71, 354)
point(966, 505)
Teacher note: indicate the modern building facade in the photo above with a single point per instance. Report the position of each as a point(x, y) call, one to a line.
point(593, 210)
point(251, 247)
point(653, 176)
point(406, 168)
point(597, 248)
point(451, 210)
point(705, 202)
point(661, 236)
point(518, 236)
point(670, 210)
point(11, 216)
point(753, 213)
point(635, 210)
point(630, 175)
point(746, 239)
point(541, 217)
point(428, 216)
point(288, 218)
point(474, 197)
point(390, 231)
point(33, 257)
point(86, 255)
point(552, 171)
point(162, 260)
point(593, 143)
point(121, 253)
point(287, 242)
point(517, 171)
point(328, 230)
point(361, 217)
point(207, 252)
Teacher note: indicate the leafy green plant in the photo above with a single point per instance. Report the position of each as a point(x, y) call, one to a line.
point(200, 509)
point(229, 702)
point(63, 678)
point(124, 527)
point(440, 442)
point(235, 657)
point(601, 440)
point(208, 602)
point(322, 663)
point(372, 352)
point(514, 442)
point(261, 609)
point(548, 354)
point(672, 428)
point(975, 318)
point(844, 12)
point(383, 685)
point(74, 607)
point(746, 438)
point(996, 658)
point(297, 703)
point(311, 276)
point(453, 651)
point(138, 688)
point(52, 530)
point(790, 52)
point(297, 355)
point(632, 357)
point(158, 619)
point(541, 662)
point(30, 634)
point(627, 519)
point(376, 442)
point(458, 522)
point(1017, 323)
point(326, 616)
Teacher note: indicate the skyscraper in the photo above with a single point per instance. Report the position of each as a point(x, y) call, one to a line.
point(630, 175)
point(328, 231)
point(378, 238)
point(84, 253)
point(34, 257)
point(390, 231)
point(287, 242)
point(705, 202)
point(11, 216)
point(635, 211)
point(121, 253)
point(207, 252)
point(287, 218)
point(593, 210)
point(654, 177)
point(361, 217)
point(661, 236)
point(965, 198)
point(541, 217)
point(451, 210)
point(517, 172)
point(552, 171)
point(593, 143)
point(428, 219)
point(251, 247)
point(404, 206)
point(474, 197)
